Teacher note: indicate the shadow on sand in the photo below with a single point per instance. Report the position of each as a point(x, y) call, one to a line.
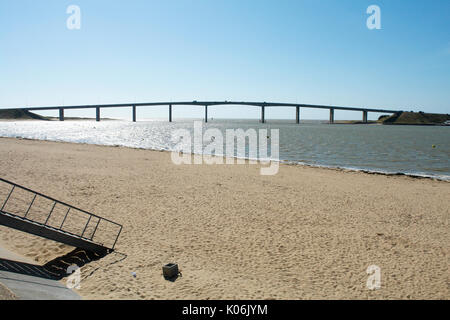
point(55, 269)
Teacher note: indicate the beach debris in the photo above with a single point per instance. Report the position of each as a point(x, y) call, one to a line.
point(170, 271)
point(133, 274)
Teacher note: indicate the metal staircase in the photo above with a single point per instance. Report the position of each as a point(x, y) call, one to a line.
point(32, 212)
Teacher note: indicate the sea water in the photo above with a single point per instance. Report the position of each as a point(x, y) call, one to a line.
point(412, 150)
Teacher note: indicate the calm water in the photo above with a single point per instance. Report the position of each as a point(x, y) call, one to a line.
point(390, 149)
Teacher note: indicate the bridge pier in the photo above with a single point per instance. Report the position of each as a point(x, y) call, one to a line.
point(263, 120)
point(170, 113)
point(61, 114)
point(134, 113)
point(97, 113)
point(206, 113)
point(331, 115)
point(297, 114)
point(365, 116)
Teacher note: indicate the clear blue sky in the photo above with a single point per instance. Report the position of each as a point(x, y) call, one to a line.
point(310, 51)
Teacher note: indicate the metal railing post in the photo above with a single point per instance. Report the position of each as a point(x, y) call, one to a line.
point(85, 227)
point(48, 217)
point(32, 201)
point(117, 237)
point(64, 219)
point(7, 198)
point(96, 226)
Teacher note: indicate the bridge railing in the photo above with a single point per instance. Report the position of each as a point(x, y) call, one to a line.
point(38, 208)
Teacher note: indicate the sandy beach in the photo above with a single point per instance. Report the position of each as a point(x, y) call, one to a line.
point(305, 233)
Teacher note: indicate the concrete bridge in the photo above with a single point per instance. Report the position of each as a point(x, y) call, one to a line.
point(206, 104)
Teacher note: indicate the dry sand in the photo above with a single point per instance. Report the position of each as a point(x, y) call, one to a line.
point(305, 233)
point(6, 294)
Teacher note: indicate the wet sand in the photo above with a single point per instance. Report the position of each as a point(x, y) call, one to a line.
point(305, 233)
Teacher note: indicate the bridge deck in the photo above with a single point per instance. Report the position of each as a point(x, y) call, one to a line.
point(210, 103)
